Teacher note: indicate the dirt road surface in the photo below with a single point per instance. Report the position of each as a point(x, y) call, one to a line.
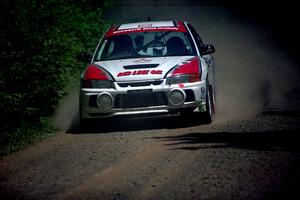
point(250, 151)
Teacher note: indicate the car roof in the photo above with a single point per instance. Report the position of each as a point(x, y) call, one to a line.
point(152, 26)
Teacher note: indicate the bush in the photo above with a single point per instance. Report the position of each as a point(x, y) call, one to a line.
point(39, 42)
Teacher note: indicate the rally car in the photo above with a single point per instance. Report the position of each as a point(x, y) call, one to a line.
point(149, 67)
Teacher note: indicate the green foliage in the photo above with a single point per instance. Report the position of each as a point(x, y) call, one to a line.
point(39, 42)
point(23, 135)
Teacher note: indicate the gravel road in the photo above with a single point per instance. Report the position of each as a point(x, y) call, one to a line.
point(250, 151)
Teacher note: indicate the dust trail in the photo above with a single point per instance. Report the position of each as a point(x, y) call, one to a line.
point(67, 113)
point(253, 74)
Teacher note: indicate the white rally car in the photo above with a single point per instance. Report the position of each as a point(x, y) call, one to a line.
point(149, 67)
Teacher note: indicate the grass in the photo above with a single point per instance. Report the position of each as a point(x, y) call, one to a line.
point(25, 135)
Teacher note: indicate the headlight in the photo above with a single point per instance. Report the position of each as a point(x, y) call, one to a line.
point(183, 78)
point(188, 71)
point(96, 77)
point(97, 84)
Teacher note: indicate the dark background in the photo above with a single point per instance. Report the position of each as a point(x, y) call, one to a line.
point(281, 18)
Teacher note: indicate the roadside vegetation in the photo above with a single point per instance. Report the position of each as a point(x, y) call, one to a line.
point(39, 42)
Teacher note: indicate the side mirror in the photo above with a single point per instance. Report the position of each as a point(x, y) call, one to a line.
point(84, 57)
point(207, 49)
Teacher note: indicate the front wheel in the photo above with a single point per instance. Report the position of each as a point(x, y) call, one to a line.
point(210, 109)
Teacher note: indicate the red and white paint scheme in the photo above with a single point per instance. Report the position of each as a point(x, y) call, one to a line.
point(149, 67)
point(146, 26)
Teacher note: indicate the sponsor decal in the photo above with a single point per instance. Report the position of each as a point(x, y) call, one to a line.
point(156, 71)
point(144, 25)
point(145, 29)
point(142, 60)
point(140, 72)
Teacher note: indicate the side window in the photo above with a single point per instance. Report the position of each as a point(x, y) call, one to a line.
point(100, 51)
point(106, 49)
point(110, 48)
point(196, 36)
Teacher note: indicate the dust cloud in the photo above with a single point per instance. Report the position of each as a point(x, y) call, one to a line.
point(66, 116)
point(252, 73)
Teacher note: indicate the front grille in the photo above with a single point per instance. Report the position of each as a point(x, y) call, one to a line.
point(139, 84)
point(138, 100)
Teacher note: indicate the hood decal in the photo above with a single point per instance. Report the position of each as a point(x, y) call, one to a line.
point(146, 69)
point(140, 72)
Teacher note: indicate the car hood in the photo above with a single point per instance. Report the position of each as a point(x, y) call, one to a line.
point(140, 69)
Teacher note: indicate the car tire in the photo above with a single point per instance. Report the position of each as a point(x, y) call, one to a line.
point(209, 112)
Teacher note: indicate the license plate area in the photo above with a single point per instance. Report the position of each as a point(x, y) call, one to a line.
point(139, 91)
point(140, 98)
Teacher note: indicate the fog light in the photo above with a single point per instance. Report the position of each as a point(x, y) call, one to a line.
point(105, 101)
point(176, 97)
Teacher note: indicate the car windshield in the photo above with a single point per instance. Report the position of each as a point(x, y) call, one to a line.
point(145, 44)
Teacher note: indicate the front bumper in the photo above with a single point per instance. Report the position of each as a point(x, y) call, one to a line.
point(142, 99)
